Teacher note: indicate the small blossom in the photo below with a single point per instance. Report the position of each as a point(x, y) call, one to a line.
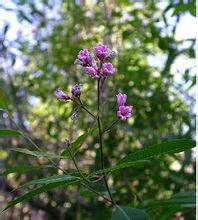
point(75, 90)
point(101, 51)
point(124, 112)
point(74, 116)
point(84, 58)
point(107, 69)
point(61, 95)
point(121, 99)
point(90, 71)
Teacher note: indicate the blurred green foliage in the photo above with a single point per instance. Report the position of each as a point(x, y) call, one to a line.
point(162, 105)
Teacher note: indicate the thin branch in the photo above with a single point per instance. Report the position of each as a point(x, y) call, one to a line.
point(111, 126)
point(83, 107)
point(83, 177)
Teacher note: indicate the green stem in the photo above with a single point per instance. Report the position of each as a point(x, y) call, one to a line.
point(111, 126)
point(83, 107)
point(101, 144)
point(83, 177)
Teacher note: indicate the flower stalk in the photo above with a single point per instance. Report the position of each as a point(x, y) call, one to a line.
point(101, 143)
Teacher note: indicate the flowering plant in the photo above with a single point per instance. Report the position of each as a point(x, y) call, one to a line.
point(100, 68)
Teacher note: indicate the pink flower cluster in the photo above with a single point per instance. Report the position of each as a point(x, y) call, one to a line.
point(123, 112)
point(96, 68)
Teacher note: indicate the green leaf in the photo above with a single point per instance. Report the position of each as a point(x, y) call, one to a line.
point(183, 199)
point(75, 145)
point(86, 194)
point(118, 167)
point(51, 179)
point(37, 153)
point(37, 191)
point(169, 147)
point(124, 165)
point(23, 168)
point(127, 213)
point(9, 133)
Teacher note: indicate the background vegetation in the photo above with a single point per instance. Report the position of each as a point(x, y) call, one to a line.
point(40, 59)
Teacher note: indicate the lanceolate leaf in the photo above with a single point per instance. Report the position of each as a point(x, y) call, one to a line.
point(53, 182)
point(37, 191)
point(138, 158)
point(184, 199)
point(9, 133)
point(51, 179)
point(37, 153)
point(169, 147)
point(23, 168)
point(127, 213)
point(118, 167)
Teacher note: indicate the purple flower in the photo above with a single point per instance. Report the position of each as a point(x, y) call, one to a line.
point(61, 95)
point(124, 112)
point(90, 71)
point(121, 99)
point(91, 66)
point(84, 58)
point(107, 69)
point(101, 51)
point(75, 90)
point(74, 116)
point(94, 65)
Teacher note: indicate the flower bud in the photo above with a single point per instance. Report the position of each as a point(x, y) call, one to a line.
point(74, 115)
point(61, 95)
point(75, 90)
point(121, 99)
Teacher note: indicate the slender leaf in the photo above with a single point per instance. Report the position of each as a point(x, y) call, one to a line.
point(37, 191)
point(37, 153)
point(169, 147)
point(184, 199)
point(118, 167)
point(9, 133)
point(50, 179)
point(127, 213)
point(23, 168)
point(86, 193)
